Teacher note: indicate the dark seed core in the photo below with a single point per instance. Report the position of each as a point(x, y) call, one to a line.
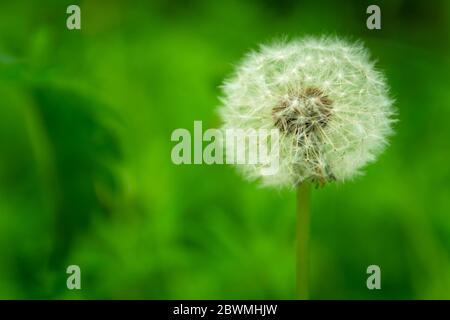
point(303, 112)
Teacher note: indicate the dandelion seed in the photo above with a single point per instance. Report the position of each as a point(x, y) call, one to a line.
point(335, 97)
point(331, 107)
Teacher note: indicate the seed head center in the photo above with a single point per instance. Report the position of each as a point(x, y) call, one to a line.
point(302, 112)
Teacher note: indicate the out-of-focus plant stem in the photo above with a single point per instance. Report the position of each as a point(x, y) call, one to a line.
point(303, 210)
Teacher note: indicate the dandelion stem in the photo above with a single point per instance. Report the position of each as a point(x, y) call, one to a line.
point(303, 195)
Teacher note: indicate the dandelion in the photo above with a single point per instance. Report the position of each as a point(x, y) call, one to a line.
point(330, 105)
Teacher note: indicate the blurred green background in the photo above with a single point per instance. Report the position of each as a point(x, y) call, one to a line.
point(86, 176)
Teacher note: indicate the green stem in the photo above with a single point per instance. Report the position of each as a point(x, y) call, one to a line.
point(303, 200)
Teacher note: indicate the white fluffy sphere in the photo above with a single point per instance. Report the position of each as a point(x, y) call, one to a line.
point(330, 105)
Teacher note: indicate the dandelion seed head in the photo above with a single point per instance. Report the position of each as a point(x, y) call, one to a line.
point(329, 103)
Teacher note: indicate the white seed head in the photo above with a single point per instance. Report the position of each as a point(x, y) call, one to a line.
point(330, 105)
